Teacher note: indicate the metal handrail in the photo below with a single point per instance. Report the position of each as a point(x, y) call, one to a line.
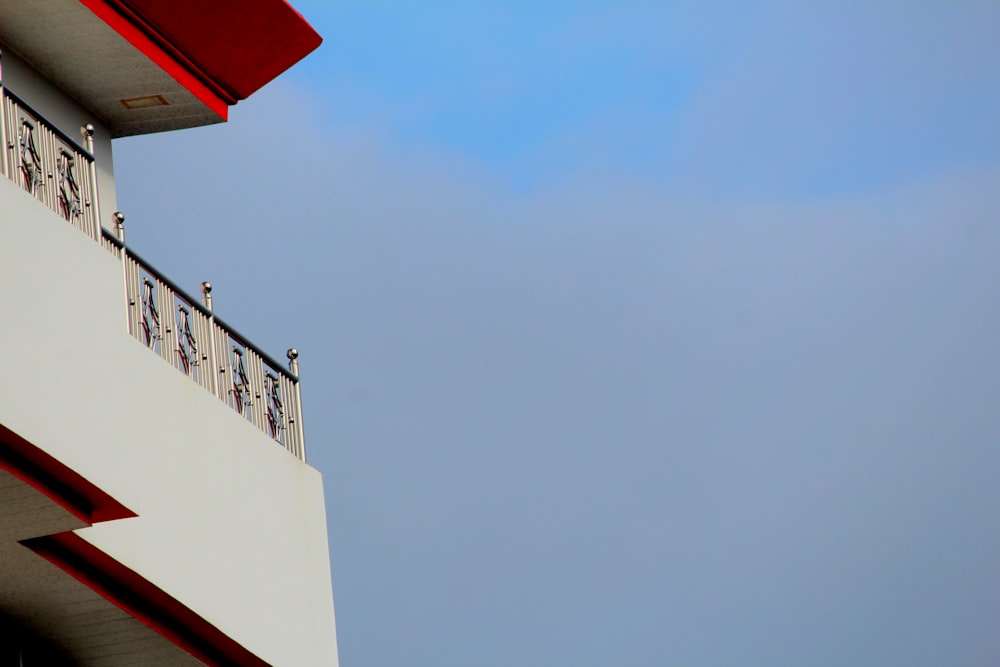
point(236, 335)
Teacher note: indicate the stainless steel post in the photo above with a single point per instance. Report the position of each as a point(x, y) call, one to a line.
point(3, 124)
point(119, 219)
point(206, 299)
point(293, 366)
point(88, 132)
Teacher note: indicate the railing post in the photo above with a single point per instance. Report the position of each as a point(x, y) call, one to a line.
point(206, 300)
point(293, 366)
point(119, 219)
point(3, 123)
point(88, 133)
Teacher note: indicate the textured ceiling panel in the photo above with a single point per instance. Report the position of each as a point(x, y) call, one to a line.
point(97, 67)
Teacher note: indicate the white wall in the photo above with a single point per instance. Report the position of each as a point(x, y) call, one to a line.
point(229, 523)
point(63, 112)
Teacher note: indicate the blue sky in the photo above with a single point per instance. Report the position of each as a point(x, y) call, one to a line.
point(632, 333)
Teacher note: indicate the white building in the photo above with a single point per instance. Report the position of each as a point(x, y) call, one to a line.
point(155, 503)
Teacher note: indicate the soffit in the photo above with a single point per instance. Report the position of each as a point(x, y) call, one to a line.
point(198, 56)
point(98, 67)
point(52, 608)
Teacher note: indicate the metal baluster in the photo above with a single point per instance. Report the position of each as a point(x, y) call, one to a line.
point(240, 381)
point(169, 327)
point(4, 167)
point(261, 389)
point(251, 385)
point(226, 369)
point(240, 367)
point(205, 360)
point(264, 401)
point(48, 153)
point(255, 377)
point(11, 134)
point(48, 173)
point(274, 420)
point(209, 372)
point(165, 299)
point(248, 400)
point(290, 422)
point(187, 347)
point(135, 298)
point(24, 141)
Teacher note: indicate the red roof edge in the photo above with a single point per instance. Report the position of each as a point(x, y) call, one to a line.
point(240, 45)
point(62, 484)
point(143, 37)
point(143, 600)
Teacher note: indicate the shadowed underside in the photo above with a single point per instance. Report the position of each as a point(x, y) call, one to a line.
point(68, 595)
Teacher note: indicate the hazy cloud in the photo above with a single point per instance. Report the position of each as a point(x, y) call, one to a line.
point(617, 420)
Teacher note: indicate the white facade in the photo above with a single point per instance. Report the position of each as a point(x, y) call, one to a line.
point(225, 560)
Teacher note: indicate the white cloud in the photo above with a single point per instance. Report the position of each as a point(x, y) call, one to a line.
point(609, 420)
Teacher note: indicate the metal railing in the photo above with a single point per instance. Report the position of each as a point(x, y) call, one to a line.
point(187, 334)
point(183, 331)
point(49, 164)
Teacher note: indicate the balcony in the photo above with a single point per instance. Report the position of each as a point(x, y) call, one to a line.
point(59, 171)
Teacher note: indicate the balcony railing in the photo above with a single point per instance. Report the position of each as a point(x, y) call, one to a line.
point(183, 331)
point(49, 164)
point(189, 336)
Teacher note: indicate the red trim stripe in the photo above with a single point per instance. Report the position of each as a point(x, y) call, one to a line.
point(140, 598)
point(62, 484)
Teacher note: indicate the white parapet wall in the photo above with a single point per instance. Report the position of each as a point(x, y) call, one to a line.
point(229, 523)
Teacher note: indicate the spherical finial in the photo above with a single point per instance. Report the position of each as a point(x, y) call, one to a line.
point(206, 287)
point(293, 354)
point(118, 217)
point(88, 129)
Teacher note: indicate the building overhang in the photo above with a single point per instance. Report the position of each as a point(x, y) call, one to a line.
point(73, 597)
point(147, 66)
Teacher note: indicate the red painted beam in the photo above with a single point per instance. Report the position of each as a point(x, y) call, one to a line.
point(143, 600)
point(59, 482)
